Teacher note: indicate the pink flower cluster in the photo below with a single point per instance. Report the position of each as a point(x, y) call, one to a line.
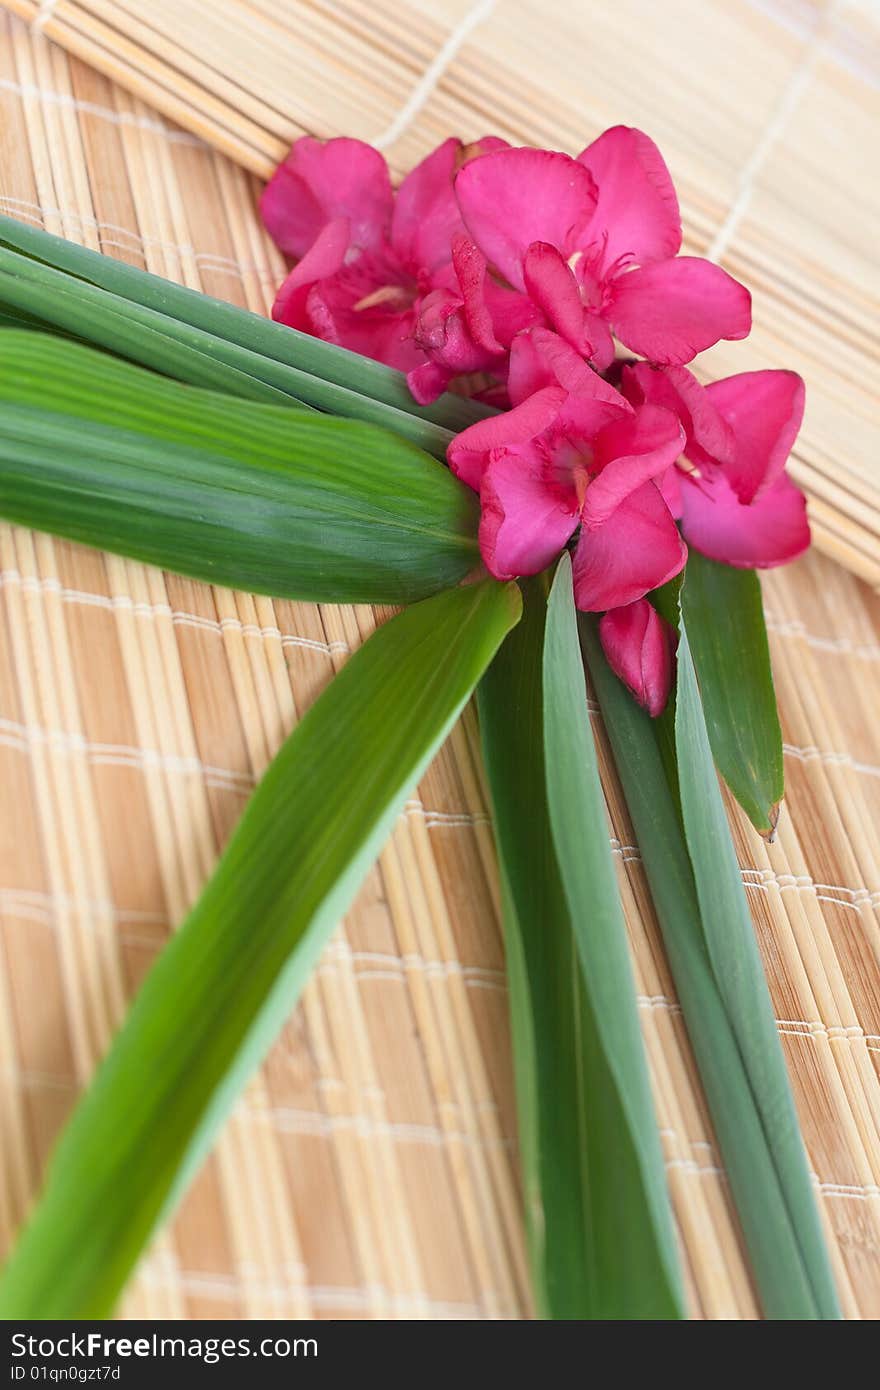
point(516, 275)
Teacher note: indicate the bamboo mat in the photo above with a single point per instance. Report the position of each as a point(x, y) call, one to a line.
point(767, 111)
point(370, 1169)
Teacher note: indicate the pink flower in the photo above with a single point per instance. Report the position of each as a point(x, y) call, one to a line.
point(731, 493)
point(639, 646)
point(468, 329)
point(594, 244)
point(572, 452)
point(367, 258)
point(508, 273)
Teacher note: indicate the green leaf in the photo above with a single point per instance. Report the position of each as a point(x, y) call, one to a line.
point(639, 1233)
point(224, 985)
point(600, 1231)
point(188, 354)
point(288, 503)
point(725, 622)
point(667, 601)
point(737, 967)
point(748, 1135)
point(50, 299)
point(233, 328)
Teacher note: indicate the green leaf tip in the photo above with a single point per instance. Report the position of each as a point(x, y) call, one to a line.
point(799, 1255)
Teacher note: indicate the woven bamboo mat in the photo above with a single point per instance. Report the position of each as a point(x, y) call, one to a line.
point(370, 1169)
point(766, 110)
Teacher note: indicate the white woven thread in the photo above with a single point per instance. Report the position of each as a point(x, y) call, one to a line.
point(426, 85)
point(785, 107)
point(44, 14)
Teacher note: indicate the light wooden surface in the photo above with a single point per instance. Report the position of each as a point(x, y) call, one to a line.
point(767, 111)
point(370, 1169)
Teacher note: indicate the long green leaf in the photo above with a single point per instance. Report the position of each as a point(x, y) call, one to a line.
point(728, 638)
point(641, 1242)
point(51, 300)
point(238, 327)
point(736, 964)
point(292, 504)
point(222, 988)
point(599, 1225)
point(784, 1284)
point(186, 353)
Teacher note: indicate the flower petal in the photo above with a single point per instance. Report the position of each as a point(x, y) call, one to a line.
point(637, 549)
point(709, 436)
point(629, 452)
point(470, 270)
point(323, 180)
point(468, 454)
point(487, 144)
point(769, 531)
point(510, 311)
point(638, 644)
point(426, 215)
point(324, 258)
point(670, 485)
point(550, 284)
point(671, 310)
point(428, 381)
point(443, 332)
point(637, 210)
point(526, 519)
point(364, 307)
point(494, 313)
point(764, 410)
point(514, 197)
point(599, 335)
point(541, 358)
